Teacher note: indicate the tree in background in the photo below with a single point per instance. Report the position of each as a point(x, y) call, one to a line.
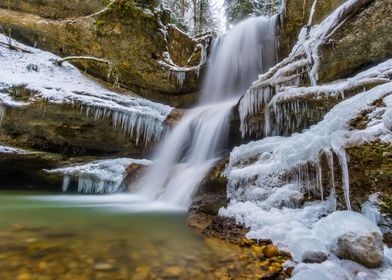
point(193, 16)
point(237, 10)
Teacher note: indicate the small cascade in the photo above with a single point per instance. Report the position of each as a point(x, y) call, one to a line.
point(191, 149)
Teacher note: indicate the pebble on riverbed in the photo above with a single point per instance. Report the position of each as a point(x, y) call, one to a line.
point(103, 267)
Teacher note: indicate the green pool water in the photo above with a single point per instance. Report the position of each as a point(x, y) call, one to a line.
point(58, 236)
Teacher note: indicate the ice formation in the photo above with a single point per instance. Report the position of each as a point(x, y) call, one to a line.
point(11, 150)
point(294, 108)
point(34, 70)
point(102, 176)
point(302, 62)
point(268, 179)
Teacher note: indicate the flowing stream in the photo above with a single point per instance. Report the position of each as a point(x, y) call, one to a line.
point(192, 148)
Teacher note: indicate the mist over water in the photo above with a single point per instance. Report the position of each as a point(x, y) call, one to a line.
point(196, 143)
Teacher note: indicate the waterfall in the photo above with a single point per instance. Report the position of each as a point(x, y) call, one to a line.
point(192, 148)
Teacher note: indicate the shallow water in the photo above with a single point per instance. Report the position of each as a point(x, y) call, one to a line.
point(52, 236)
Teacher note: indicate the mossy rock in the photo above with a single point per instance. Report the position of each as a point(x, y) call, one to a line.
point(370, 170)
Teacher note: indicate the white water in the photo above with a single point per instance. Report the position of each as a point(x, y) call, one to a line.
point(192, 148)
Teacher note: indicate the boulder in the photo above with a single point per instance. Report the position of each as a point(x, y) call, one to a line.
point(366, 249)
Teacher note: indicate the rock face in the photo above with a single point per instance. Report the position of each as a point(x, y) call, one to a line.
point(363, 40)
point(296, 15)
point(366, 249)
point(150, 56)
point(60, 128)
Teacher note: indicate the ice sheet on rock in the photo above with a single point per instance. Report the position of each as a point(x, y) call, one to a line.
point(303, 59)
point(136, 117)
point(294, 157)
point(12, 150)
point(285, 112)
point(103, 176)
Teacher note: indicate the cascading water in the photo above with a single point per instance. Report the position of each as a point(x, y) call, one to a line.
point(191, 149)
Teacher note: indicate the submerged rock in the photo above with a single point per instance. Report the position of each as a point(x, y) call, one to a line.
point(103, 266)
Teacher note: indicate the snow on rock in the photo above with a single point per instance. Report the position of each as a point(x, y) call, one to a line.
point(102, 176)
point(35, 70)
point(11, 150)
point(339, 223)
point(302, 62)
point(309, 250)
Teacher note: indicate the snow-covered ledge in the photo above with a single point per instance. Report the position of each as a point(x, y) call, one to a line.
point(34, 69)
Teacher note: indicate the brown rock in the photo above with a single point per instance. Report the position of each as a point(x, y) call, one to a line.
point(271, 251)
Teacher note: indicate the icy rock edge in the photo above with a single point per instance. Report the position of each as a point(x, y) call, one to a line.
point(101, 176)
point(34, 69)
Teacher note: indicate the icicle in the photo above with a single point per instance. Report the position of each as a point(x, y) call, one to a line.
point(329, 155)
point(341, 153)
point(179, 75)
point(319, 176)
point(66, 182)
point(2, 114)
